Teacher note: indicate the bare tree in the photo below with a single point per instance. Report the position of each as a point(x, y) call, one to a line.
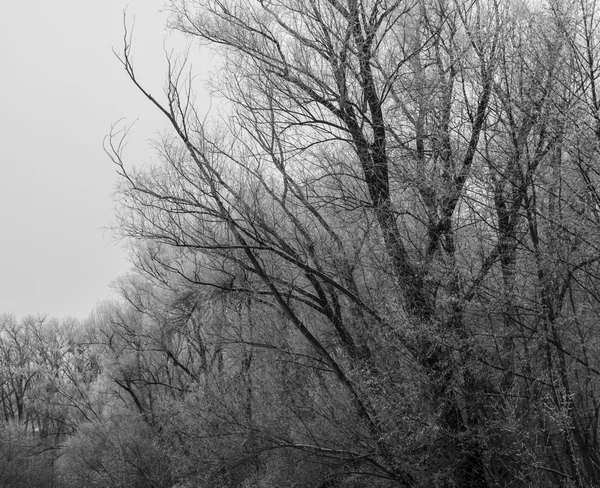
point(405, 185)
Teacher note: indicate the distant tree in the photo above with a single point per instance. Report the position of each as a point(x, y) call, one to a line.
point(46, 370)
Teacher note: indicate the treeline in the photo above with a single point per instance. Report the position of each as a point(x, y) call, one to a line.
point(379, 268)
point(166, 389)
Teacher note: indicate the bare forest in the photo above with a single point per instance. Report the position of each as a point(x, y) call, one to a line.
point(377, 266)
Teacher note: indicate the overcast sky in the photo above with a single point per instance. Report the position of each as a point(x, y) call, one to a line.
point(61, 89)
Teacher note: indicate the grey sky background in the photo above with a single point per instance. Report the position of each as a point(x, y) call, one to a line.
point(61, 89)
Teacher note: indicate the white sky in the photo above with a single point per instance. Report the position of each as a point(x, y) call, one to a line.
point(61, 89)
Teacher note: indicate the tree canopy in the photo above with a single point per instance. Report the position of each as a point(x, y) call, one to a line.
point(378, 266)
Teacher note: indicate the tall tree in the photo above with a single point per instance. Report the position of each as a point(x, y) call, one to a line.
point(403, 186)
